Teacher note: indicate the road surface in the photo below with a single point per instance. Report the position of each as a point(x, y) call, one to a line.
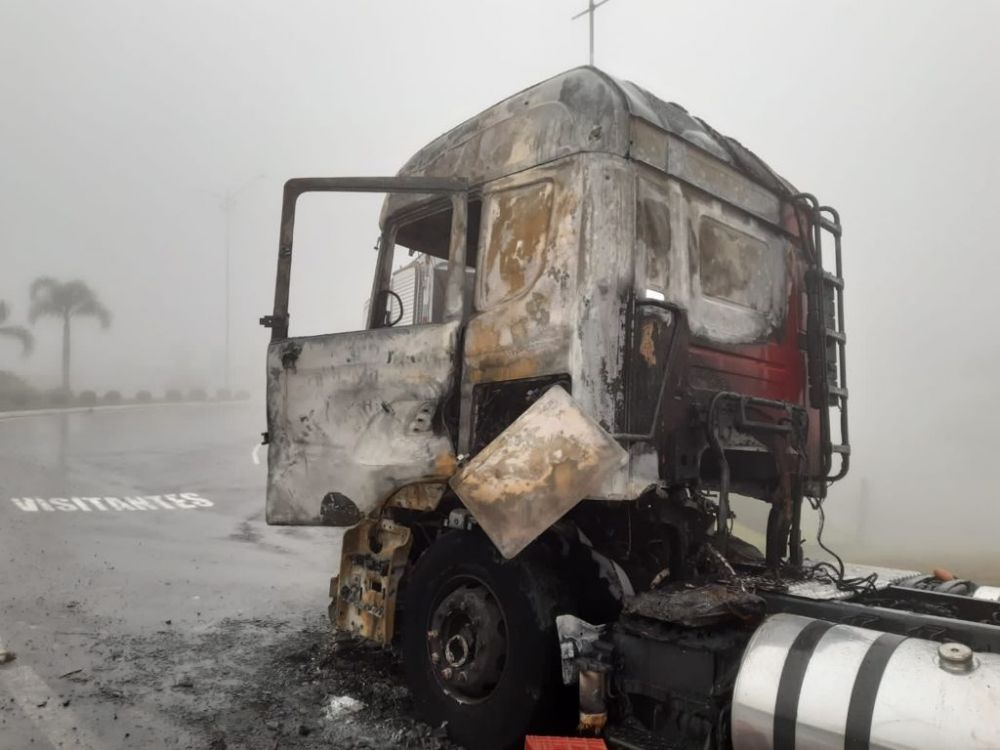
point(140, 588)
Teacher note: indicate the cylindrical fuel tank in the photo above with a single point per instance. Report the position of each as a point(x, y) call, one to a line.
point(987, 593)
point(812, 685)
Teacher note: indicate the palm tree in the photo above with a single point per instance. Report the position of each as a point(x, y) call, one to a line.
point(20, 333)
point(51, 298)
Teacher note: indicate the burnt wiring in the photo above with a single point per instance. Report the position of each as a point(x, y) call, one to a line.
point(835, 574)
point(720, 559)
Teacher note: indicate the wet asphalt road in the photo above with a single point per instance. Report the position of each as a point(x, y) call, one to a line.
point(174, 545)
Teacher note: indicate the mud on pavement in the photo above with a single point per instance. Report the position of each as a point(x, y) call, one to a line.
point(263, 684)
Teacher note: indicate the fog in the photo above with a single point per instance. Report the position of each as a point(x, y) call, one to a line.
point(125, 123)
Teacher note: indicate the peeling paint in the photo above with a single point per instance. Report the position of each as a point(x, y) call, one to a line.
point(421, 496)
point(515, 231)
point(549, 459)
point(647, 347)
point(372, 561)
point(346, 423)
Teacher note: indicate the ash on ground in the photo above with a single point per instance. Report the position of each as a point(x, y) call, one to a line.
point(268, 684)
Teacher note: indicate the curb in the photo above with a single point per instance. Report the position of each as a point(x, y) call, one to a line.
point(7, 415)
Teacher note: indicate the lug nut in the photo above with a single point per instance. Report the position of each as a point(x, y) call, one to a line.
point(446, 673)
point(435, 657)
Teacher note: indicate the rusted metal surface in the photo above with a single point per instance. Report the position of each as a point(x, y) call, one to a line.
point(568, 139)
point(728, 270)
point(421, 496)
point(372, 561)
point(548, 460)
point(593, 700)
point(351, 419)
point(587, 111)
point(526, 311)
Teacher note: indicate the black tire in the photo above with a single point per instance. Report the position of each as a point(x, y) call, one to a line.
point(527, 694)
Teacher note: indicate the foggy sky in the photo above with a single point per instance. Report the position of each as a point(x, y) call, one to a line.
point(123, 121)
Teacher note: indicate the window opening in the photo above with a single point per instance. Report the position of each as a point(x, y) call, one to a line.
point(419, 278)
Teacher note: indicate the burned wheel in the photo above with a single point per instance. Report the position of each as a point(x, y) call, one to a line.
point(468, 639)
point(479, 643)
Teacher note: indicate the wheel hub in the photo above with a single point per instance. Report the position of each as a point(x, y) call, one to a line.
point(467, 641)
point(456, 651)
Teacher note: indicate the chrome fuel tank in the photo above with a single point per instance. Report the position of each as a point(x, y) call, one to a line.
point(812, 685)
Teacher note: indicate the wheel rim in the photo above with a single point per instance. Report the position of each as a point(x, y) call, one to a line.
point(467, 640)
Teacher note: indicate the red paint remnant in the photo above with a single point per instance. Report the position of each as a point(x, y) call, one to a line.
point(563, 743)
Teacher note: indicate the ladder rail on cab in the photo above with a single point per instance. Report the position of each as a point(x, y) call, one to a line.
point(827, 337)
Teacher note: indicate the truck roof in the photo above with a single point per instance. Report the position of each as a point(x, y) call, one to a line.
point(581, 110)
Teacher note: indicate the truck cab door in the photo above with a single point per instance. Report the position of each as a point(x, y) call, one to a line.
point(352, 417)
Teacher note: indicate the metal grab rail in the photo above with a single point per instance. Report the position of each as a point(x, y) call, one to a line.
point(826, 331)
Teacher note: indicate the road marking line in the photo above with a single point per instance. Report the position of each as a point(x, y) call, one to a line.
point(169, 501)
point(57, 723)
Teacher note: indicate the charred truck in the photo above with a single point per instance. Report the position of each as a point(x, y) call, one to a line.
point(625, 320)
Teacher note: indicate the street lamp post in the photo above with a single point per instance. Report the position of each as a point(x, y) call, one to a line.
point(229, 200)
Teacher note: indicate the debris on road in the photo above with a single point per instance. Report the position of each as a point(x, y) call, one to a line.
point(253, 682)
point(7, 656)
point(340, 706)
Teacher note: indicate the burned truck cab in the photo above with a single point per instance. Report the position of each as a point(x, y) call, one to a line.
point(630, 316)
point(616, 246)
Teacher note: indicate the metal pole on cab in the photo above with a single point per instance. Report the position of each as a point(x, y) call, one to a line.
point(591, 7)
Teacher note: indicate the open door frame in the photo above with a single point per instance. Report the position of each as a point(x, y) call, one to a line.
point(350, 415)
point(277, 321)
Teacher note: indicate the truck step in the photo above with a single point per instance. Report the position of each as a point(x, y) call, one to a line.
point(633, 738)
